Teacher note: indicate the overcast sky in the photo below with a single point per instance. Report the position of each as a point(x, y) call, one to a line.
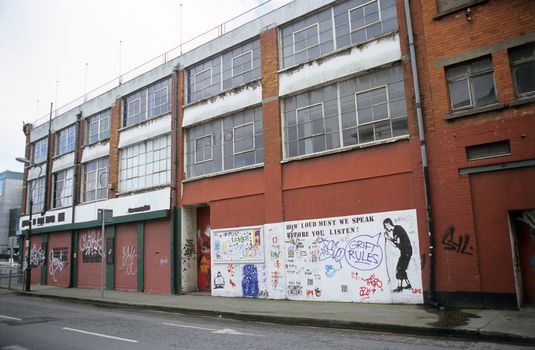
point(45, 45)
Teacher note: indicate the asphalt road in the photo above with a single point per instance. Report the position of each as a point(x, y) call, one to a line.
point(36, 323)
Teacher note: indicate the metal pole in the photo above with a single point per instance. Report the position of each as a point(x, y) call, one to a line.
point(103, 253)
point(28, 238)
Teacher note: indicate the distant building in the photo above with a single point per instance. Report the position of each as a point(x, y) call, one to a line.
point(300, 156)
point(10, 203)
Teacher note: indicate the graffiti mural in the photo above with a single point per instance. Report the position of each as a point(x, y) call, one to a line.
point(37, 256)
point(238, 245)
point(91, 246)
point(128, 264)
point(372, 258)
point(58, 260)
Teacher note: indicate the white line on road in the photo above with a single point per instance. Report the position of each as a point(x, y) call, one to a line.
point(216, 331)
point(11, 318)
point(99, 335)
point(186, 326)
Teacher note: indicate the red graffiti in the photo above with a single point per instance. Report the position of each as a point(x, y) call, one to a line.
point(277, 264)
point(365, 292)
point(232, 283)
point(310, 293)
point(416, 291)
point(375, 282)
point(355, 275)
point(274, 240)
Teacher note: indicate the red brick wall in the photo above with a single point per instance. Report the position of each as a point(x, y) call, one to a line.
point(89, 273)
point(126, 254)
point(438, 40)
point(113, 162)
point(59, 259)
point(157, 257)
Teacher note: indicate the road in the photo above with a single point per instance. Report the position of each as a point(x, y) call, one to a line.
point(36, 323)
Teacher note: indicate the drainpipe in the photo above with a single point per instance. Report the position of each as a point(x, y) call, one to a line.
point(75, 193)
point(423, 149)
point(48, 161)
point(175, 263)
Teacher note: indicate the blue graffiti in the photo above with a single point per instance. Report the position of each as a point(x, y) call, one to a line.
point(364, 252)
point(249, 282)
point(330, 271)
point(330, 250)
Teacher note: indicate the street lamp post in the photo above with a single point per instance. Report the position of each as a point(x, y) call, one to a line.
point(28, 235)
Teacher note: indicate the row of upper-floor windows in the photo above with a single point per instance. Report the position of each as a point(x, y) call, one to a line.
point(143, 165)
point(472, 85)
point(340, 25)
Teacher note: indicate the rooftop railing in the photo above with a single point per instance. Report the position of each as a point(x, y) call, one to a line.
point(188, 45)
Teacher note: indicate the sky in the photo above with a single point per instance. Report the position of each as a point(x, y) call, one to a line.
point(53, 51)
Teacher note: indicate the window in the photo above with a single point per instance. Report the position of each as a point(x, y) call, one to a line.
point(98, 127)
point(355, 21)
point(148, 103)
point(364, 109)
point(40, 150)
point(229, 70)
point(95, 180)
point(487, 150)
point(66, 140)
point(231, 142)
point(146, 164)
point(523, 65)
point(447, 6)
point(308, 38)
point(63, 188)
point(36, 194)
point(203, 149)
point(471, 85)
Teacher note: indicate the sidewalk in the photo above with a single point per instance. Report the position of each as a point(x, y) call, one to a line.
point(483, 325)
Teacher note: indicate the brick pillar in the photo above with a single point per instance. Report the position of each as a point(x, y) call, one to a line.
point(113, 160)
point(273, 203)
point(78, 171)
point(505, 90)
point(27, 129)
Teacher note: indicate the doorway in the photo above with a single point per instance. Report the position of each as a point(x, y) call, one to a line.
point(204, 260)
point(523, 235)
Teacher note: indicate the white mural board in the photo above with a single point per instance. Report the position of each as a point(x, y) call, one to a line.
point(237, 245)
point(350, 258)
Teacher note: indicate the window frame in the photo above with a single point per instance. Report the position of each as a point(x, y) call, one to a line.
point(84, 190)
point(317, 25)
point(154, 105)
point(515, 64)
point(373, 121)
point(234, 138)
point(351, 30)
point(68, 189)
point(40, 190)
point(211, 136)
point(469, 77)
point(197, 89)
point(250, 52)
point(97, 119)
point(43, 146)
point(322, 119)
point(65, 132)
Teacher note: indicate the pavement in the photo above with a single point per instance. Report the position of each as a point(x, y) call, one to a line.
point(516, 327)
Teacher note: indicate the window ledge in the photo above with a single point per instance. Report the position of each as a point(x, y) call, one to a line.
point(470, 112)
point(234, 90)
point(105, 141)
point(146, 121)
point(142, 190)
point(231, 171)
point(444, 13)
point(345, 149)
point(91, 202)
point(337, 52)
point(522, 101)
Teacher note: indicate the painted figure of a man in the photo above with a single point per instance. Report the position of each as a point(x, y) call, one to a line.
point(397, 235)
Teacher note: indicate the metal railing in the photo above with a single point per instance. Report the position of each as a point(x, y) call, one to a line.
point(11, 277)
point(175, 52)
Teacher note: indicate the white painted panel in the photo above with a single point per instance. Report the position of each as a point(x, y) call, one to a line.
point(349, 259)
point(95, 151)
point(122, 206)
point(50, 219)
point(64, 162)
point(275, 261)
point(337, 66)
point(35, 172)
point(141, 132)
point(220, 105)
